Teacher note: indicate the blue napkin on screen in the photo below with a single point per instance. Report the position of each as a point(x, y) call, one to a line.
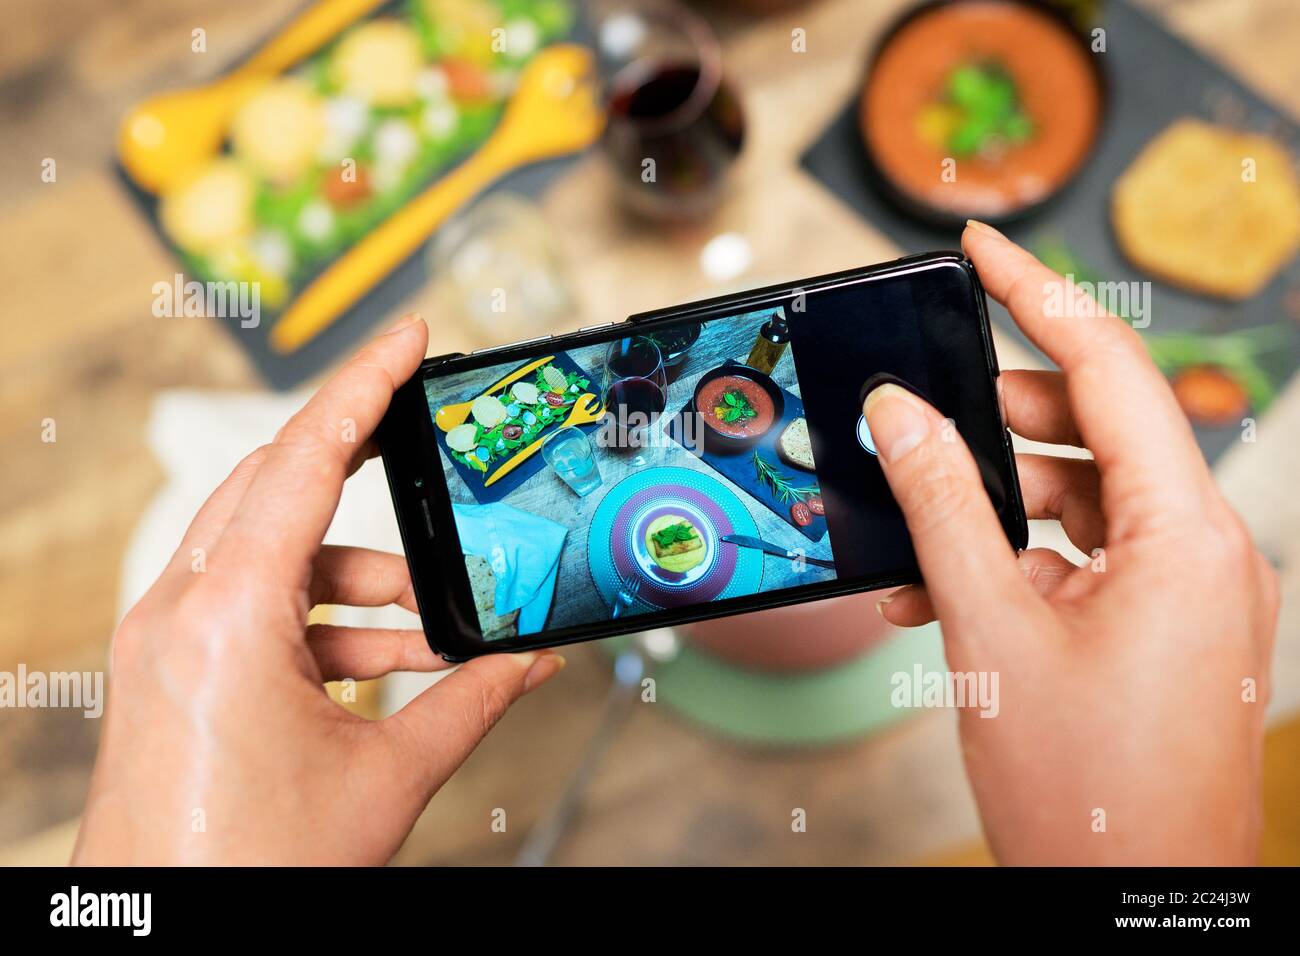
point(523, 551)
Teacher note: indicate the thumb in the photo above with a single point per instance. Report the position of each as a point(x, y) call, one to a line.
point(445, 723)
point(968, 565)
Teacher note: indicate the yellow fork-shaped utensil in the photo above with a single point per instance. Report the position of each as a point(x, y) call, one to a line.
point(585, 410)
point(166, 137)
point(553, 111)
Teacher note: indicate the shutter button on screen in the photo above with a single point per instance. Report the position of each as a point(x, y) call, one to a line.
point(864, 435)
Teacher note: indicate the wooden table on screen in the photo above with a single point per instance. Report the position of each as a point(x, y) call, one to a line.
point(546, 494)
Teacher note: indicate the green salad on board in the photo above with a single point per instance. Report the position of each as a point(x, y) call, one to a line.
point(316, 157)
point(500, 425)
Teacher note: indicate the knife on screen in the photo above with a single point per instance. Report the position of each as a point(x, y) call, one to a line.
point(745, 541)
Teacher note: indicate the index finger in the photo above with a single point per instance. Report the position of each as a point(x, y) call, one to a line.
point(1125, 411)
point(288, 506)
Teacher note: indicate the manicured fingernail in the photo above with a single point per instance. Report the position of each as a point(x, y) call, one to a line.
point(524, 658)
point(543, 670)
point(897, 422)
point(404, 322)
point(985, 228)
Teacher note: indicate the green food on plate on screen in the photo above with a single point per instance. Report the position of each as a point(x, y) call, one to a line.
point(676, 534)
point(319, 156)
point(501, 425)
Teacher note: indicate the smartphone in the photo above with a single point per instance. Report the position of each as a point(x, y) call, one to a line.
point(702, 460)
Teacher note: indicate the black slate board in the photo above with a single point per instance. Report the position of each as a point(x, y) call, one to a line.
point(1155, 78)
point(739, 466)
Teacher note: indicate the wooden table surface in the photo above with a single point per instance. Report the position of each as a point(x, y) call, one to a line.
point(79, 345)
point(545, 493)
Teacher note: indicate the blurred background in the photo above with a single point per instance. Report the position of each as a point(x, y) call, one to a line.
point(490, 151)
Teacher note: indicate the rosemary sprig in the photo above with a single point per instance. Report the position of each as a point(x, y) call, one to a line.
point(781, 484)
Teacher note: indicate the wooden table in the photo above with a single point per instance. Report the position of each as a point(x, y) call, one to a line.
point(545, 493)
point(78, 344)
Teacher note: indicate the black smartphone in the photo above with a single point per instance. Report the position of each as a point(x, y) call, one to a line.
point(698, 461)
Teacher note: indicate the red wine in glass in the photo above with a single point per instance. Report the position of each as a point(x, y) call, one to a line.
point(636, 401)
point(672, 139)
point(636, 404)
point(674, 126)
point(635, 391)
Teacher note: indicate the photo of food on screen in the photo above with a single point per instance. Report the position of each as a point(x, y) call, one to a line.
point(645, 474)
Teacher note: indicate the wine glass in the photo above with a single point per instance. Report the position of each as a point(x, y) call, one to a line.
point(636, 392)
point(674, 126)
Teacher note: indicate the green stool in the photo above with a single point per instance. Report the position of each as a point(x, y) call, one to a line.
point(799, 709)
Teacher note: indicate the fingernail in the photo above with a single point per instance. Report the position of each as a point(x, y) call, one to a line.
point(543, 670)
point(880, 605)
point(985, 228)
point(897, 422)
point(404, 322)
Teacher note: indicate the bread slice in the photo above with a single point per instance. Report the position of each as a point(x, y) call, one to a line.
point(794, 446)
point(1187, 211)
point(483, 584)
point(676, 547)
point(678, 556)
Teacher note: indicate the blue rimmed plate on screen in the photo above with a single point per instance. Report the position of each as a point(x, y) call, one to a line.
point(619, 549)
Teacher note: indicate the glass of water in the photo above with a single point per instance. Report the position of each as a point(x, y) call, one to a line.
point(503, 270)
point(568, 451)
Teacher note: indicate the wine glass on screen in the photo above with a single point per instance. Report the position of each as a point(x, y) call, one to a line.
point(636, 393)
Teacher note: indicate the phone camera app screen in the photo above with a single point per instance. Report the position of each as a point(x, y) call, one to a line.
point(693, 463)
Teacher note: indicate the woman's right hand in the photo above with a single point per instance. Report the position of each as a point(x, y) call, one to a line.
point(1132, 689)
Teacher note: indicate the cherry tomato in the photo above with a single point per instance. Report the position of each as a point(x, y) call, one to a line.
point(815, 505)
point(1210, 397)
point(554, 399)
point(801, 514)
point(343, 192)
point(511, 432)
point(466, 81)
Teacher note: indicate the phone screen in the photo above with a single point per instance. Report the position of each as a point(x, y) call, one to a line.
point(716, 460)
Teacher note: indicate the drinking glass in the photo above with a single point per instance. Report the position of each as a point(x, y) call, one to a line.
point(636, 392)
point(568, 451)
point(674, 127)
point(503, 268)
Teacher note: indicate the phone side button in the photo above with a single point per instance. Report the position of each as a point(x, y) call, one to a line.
point(593, 328)
point(512, 345)
point(428, 518)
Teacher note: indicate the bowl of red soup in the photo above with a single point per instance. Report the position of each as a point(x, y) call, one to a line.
point(738, 405)
point(980, 108)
